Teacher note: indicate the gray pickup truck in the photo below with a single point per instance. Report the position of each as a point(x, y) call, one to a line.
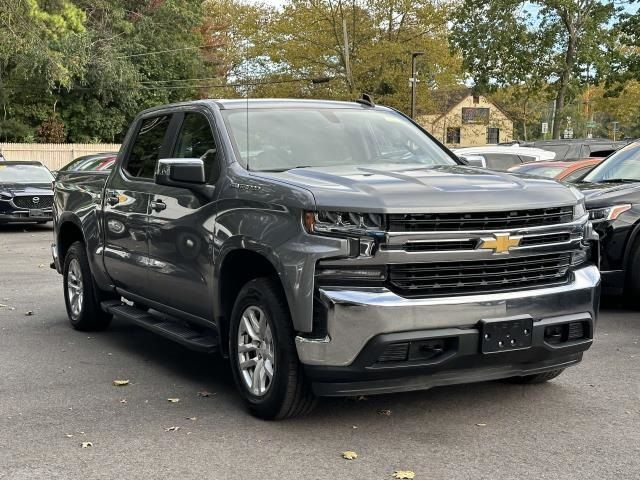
point(327, 249)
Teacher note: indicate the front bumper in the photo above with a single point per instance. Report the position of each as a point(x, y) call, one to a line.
point(358, 317)
point(19, 216)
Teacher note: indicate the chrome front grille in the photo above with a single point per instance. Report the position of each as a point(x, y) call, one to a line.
point(33, 201)
point(431, 255)
point(448, 222)
point(479, 276)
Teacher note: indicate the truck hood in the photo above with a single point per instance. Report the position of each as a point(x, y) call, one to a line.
point(413, 189)
point(605, 194)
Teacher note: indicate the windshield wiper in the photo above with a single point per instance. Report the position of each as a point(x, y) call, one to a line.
point(620, 180)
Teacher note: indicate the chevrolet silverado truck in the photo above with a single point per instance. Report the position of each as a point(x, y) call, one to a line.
point(327, 249)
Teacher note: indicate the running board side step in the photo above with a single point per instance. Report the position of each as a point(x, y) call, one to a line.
point(164, 325)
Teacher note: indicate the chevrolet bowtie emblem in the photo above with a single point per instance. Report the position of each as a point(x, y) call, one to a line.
point(500, 243)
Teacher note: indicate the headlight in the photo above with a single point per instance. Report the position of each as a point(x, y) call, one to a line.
point(607, 213)
point(345, 223)
point(5, 196)
point(579, 210)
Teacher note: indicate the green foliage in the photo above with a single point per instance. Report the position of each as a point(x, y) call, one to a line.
point(93, 64)
point(503, 43)
point(14, 131)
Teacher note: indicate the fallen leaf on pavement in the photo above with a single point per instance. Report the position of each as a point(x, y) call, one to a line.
point(385, 412)
point(173, 400)
point(87, 444)
point(120, 383)
point(2, 305)
point(193, 419)
point(204, 393)
point(41, 265)
point(404, 474)
point(28, 313)
point(349, 455)
point(172, 429)
point(124, 400)
point(358, 398)
point(481, 424)
point(69, 435)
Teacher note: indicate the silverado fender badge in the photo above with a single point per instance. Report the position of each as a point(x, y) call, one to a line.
point(500, 242)
point(244, 186)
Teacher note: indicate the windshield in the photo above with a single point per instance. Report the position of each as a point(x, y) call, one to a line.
point(279, 140)
point(89, 164)
point(622, 165)
point(24, 174)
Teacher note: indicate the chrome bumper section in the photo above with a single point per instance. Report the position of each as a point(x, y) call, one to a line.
point(356, 315)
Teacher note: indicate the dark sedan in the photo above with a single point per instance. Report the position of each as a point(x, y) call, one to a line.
point(25, 193)
point(612, 191)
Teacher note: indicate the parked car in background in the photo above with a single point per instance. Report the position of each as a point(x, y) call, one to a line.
point(26, 194)
point(96, 163)
point(612, 195)
point(562, 171)
point(575, 149)
point(502, 157)
point(327, 249)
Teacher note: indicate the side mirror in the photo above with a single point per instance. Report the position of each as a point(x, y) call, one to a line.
point(184, 173)
point(180, 172)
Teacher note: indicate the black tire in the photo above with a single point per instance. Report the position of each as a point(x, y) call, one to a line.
point(632, 284)
point(89, 316)
point(538, 378)
point(289, 393)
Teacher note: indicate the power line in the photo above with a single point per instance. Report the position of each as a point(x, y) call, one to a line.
point(314, 80)
point(157, 52)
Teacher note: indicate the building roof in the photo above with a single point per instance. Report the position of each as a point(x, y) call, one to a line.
point(447, 100)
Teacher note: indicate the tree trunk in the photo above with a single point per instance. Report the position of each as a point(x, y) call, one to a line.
point(524, 119)
point(565, 77)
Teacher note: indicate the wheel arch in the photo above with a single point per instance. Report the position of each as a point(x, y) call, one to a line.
point(238, 267)
point(69, 231)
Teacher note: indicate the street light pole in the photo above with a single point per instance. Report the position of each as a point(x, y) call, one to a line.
point(414, 81)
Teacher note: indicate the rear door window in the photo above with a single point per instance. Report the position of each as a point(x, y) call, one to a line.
point(147, 147)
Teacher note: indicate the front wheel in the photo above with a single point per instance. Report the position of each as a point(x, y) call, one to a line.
point(264, 360)
point(81, 295)
point(632, 287)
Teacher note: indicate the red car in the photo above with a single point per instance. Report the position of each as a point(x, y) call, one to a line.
point(564, 171)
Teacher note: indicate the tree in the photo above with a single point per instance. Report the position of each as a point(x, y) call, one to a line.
point(504, 43)
point(363, 45)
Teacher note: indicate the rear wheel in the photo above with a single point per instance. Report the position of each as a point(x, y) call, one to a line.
point(538, 378)
point(264, 360)
point(81, 296)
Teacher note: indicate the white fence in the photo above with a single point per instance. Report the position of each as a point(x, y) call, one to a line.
point(53, 155)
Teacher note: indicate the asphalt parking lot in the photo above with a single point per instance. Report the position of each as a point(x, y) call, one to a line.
point(56, 392)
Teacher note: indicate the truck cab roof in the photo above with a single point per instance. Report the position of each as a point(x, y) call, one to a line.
point(266, 103)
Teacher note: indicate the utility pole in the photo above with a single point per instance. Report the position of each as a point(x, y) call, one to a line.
point(414, 81)
point(615, 130)
point(347, 61)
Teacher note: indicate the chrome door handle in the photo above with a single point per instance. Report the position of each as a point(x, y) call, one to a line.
point(158, 205)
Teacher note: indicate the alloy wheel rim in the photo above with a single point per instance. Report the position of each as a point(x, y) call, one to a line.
point(74, 287)
point(256, 351)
